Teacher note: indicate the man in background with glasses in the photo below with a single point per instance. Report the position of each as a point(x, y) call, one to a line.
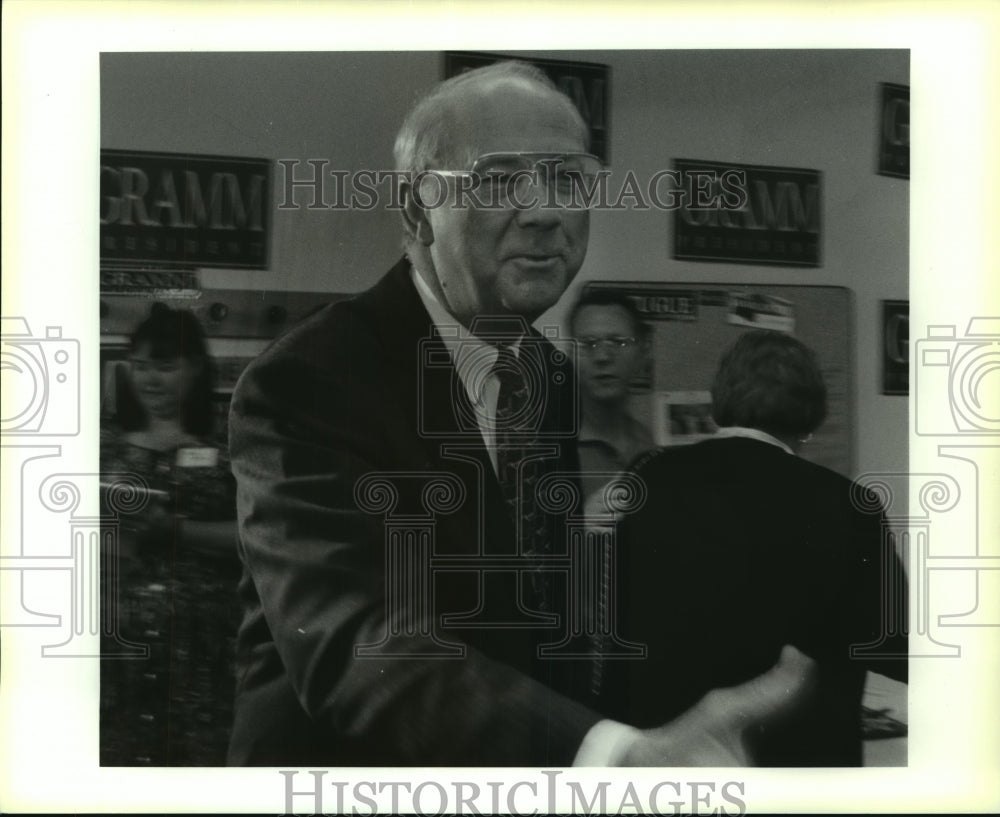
point(397, 412)
point(612, 344)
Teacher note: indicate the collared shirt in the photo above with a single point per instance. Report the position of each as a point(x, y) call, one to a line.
point(598, 453)
point(607, 741)
point(472, 357)
point(600, 458)
point(753, 434)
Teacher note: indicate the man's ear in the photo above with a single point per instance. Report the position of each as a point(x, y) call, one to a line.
point(415, 220)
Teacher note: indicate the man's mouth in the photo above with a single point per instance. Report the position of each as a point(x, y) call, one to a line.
point(538, 258)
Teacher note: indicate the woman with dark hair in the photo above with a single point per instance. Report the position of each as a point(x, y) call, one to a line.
point(743, 547)
point(170, 377)
point(177, 566)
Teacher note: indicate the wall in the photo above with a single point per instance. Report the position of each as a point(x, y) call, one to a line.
point(809, 109)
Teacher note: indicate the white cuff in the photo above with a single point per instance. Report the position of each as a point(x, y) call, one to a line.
point(606, 744)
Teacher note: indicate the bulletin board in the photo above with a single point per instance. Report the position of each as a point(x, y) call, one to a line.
point(691, 325)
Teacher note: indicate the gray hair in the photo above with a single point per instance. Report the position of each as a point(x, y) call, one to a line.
point(428, 135)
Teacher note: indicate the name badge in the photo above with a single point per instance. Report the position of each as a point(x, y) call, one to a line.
point(197, 457)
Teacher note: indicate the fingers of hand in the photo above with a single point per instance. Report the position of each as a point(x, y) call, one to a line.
point(712, 732)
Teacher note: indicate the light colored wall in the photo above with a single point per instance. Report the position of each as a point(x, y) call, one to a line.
point(809, 109)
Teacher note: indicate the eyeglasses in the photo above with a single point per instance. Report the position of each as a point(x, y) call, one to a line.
point(614, 343)
point(503, 178)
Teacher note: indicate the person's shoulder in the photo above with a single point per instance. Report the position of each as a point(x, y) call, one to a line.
point(662, 461)
point(837, 492)
point(344, 330)
point(713, 455)
point(310, 362)
point(778, 462)
point(642, 438)
point(819, 475)
point(330, 324)
point(669, 455)
point(347, 348)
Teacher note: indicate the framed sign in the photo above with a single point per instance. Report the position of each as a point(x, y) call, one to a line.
point(177, 209)
point(586, 83)
point(894, 133)
point(895, 347)
point(777, 220)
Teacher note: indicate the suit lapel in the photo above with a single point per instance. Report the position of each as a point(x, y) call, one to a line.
point(440, 415)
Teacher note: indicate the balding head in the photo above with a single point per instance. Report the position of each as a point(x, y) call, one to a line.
point(480, 259)
point(434, 134)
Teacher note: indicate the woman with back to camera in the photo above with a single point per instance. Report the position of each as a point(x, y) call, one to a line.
point(178, 566)
point(741, 547)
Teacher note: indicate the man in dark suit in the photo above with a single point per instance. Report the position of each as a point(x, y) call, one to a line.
point(743, 547)
point(382, 433)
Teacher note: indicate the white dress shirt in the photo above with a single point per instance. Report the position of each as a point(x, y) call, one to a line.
point(607, 741)
point(473, 358)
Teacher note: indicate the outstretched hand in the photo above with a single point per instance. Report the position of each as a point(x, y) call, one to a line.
point(712, 732)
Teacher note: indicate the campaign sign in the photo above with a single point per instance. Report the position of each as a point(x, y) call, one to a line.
point(767, 215)
point(184, 210)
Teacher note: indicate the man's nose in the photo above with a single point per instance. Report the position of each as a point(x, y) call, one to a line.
point(536, 206)
point(602, 354)
point(537, 212)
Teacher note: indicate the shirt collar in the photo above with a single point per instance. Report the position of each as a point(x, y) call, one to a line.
point(589, 432)
point(468, 352)
point(752, 434)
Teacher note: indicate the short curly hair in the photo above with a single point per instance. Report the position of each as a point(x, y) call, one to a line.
point(772, 382)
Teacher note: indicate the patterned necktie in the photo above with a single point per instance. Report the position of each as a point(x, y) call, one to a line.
point(520, 461)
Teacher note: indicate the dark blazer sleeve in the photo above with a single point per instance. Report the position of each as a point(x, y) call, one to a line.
point(302, 433)
point(877, 615)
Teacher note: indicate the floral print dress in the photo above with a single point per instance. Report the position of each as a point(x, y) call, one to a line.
point(169, 611)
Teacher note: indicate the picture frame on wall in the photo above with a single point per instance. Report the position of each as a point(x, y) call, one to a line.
point(894, 130)
point(896, 347)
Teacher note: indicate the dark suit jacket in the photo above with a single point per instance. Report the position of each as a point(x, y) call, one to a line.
point(360, 388)
point(739, 549)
